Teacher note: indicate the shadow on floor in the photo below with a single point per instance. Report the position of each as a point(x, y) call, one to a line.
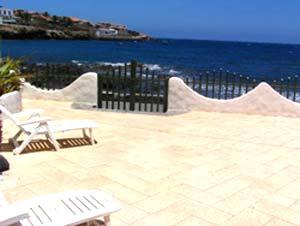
point(46, 145)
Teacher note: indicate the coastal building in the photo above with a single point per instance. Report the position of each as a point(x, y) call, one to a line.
point(106, 32)
point(7, 16)
point(108, 25)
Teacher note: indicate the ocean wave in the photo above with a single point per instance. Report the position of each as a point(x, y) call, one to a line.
point(150, 67)
point(173, 72)
point(118, 64)
point(153, 67)
point(79, 62)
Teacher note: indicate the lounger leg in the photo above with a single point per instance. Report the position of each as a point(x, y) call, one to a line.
point(106, 220)
point(19, 149)
point(14, 139)
point(91, 136)
point(53, 140)
point(84, 133)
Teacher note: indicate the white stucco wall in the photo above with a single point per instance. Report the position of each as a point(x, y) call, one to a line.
point(12, 101)
point(82, 90)
point(263, 100)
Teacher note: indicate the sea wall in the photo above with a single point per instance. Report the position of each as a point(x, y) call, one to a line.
point(83, 91)
point(263, 100)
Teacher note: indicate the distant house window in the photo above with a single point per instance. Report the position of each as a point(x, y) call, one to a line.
point(7, 16)
point(108, 32)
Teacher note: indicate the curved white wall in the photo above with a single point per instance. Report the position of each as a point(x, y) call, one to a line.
point(263, 100)
point(82, 90)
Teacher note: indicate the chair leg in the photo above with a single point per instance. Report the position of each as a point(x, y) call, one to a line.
point(21, 148)
point(91, 136)
point(18, 134)
point(53, 140)
point(14, 139)
point(107, 220)
point(84, 133)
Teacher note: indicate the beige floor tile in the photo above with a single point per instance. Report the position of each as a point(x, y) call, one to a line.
point(169, 216)
point(291, 190)
point(248, 217)
point(278, 222)
point(207, 213)
point(18, 194)
point(123, 193)
point(283, 213)
point(158, 202)
point(194, 221)
point(229, 187)
point(130, 214)
point(240, 200)
point(196, 194)
point(198, 168)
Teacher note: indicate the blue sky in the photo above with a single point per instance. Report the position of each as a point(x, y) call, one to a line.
point(237, 20)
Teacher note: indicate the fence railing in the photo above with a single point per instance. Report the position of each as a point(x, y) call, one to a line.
point(132, 88)
point(227, 85)
point(138, 88)
point(53, 76)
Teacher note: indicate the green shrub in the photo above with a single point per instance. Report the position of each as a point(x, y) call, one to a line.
point(10, 75)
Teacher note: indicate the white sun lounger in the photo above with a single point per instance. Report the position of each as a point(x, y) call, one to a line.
point(37, 125)
point(69, 208)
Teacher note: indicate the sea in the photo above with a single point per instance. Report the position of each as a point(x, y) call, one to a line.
point(170, 56)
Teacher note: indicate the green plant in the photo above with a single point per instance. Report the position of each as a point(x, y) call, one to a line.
point(26, 17)
point(55, 19)
point(10, 75)
point(46, 14)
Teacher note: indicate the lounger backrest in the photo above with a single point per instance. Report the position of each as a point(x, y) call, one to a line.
point(8, 114)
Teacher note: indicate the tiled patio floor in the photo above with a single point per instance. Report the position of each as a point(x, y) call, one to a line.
point(195, 169)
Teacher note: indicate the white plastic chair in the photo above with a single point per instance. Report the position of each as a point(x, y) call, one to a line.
point(36, 125)
point(68, 208)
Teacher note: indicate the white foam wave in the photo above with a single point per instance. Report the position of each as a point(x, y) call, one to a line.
point(153, 67)
point(174, 72)
point(119, 64)
point(78, 62)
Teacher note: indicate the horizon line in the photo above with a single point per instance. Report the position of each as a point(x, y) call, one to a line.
point(222, 40)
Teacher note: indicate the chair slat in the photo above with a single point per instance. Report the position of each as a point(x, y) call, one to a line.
point(34, 218)
point(91, 201)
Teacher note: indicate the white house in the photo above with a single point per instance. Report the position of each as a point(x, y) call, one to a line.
point(7, 15)
point(106, 32)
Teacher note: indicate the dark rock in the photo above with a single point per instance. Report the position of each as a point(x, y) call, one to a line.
point(14, 31)
point(4, 164)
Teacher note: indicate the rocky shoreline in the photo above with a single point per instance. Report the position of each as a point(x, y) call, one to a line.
point(23, 24)
point(12, 31)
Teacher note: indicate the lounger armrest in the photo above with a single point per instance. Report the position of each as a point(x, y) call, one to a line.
point(36, 120)
point(29, 112)
point(11, 214)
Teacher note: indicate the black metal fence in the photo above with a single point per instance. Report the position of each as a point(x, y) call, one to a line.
point(132, 88)
point(227, 85)
point(52, 76)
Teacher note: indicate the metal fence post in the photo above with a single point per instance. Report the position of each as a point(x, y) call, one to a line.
point(133, 68)
point(99, 90)
point(166, 94)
